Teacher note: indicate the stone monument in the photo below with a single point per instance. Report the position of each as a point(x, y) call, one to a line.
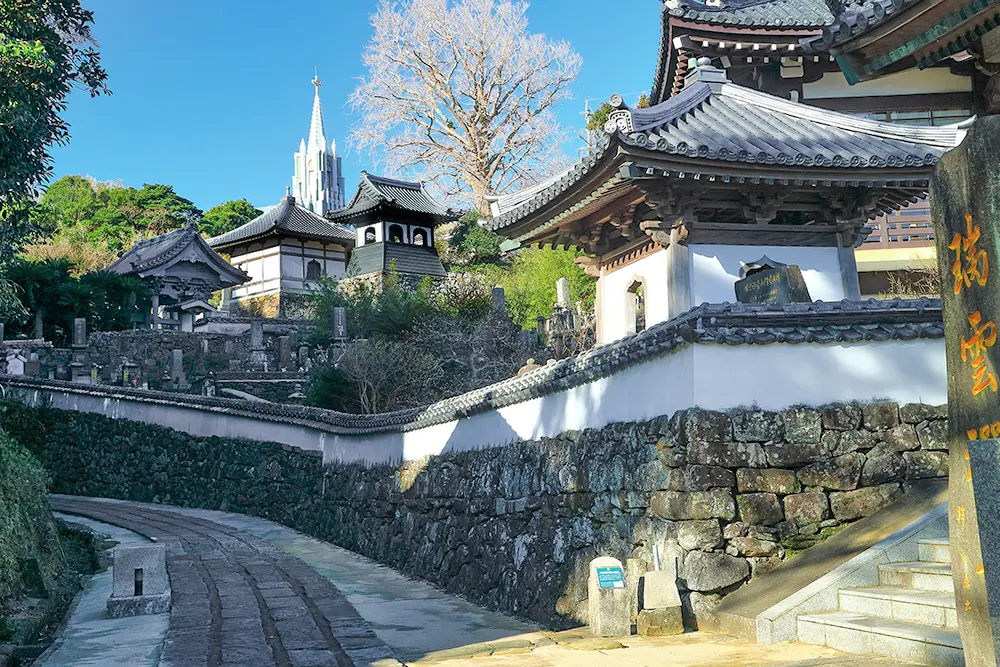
point(140, 584)
point(964, 193)
point(258, 354)
point(608, 598)
point(768, 281)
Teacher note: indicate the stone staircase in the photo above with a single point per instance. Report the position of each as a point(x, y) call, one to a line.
point(909, 616)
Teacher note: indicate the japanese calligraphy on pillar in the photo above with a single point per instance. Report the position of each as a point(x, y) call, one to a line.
point(964, 190)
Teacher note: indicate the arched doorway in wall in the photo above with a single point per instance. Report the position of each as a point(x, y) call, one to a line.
point(313, 270)
point(396, 234)
point(635, 306)
point(420, 237)
point(369, 235)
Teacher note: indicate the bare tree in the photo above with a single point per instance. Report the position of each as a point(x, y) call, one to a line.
point(389, 375)
point(461, 93)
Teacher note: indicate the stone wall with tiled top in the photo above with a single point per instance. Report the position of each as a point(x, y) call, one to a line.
point(728, 495)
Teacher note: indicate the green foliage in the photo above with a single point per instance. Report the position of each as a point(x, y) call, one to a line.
point(389, 312)
point(474, 243)
point(530, 283)
point(411, 347)
point(45, 50)
point(27, 529)
point(598, 117)
point(228, 216)
point(110, 302)
point(109, 215)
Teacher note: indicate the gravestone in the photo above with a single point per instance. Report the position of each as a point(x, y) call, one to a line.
point(964, 193)
point(781, 284)
point(79, 332)
point(305, 363)
point(608, 598)
point(659, 602)
point(177, 376)
point(498, 300)
point(258, 355)
point(562, 292)
point(338, 323)
point(284, 353)
point(139, 582)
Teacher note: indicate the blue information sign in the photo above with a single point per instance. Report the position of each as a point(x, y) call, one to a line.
point(610, 577)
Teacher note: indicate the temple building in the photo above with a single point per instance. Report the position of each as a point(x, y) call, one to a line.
point(394, 222)
point(684, 199)
point(318, 182)
point(793, 49)
point(285, 252)
point(182, 271)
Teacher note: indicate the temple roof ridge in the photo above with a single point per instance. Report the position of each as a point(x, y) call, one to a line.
point(288, 217)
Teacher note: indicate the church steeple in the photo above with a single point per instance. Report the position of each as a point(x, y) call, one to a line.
point(317, 138)
point(318, 183)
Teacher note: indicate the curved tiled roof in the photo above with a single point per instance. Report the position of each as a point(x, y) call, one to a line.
point(374, 191)
point(857, 17)
point(716, 121)
point(753, 13)
point(149, 254)
point(841, 322)
point(287, 219)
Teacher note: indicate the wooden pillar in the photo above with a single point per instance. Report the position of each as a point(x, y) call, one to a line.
point(678, 272)
point(848, 268)
point(155, 311)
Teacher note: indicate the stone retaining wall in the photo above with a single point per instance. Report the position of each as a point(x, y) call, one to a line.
point(727, 495)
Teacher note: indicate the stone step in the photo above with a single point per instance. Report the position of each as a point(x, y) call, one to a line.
point(902, 640)
point(916, 574)
point(906, 604)
point(936, 550)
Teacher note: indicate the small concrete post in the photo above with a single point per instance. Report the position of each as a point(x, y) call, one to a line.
point(608, 598)
point(139, 582)
point(1, 332)
point(659, 602)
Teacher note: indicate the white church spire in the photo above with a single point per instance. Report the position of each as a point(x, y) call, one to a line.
point(318, 182)
point(317, 138)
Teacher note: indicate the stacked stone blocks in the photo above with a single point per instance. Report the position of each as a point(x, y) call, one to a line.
point(727, 496)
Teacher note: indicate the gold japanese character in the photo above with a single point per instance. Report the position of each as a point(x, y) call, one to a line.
point(974, 352)
point(976, 267)
point(960, 515)
point(968, 605)
point(981, 570)
point(967, 584)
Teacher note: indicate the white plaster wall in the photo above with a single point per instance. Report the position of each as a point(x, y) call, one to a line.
point(716, 268)
point(613, 296)
point(720, 377)
point(910, 82)
point(779, 376)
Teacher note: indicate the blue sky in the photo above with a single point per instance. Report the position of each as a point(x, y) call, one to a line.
point(212, 96)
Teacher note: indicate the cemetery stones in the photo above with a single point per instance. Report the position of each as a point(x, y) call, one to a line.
point(965, 191)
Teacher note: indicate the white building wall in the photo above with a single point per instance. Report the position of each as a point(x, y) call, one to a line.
point(614, 294)
point(718, 377)
point(716, 268)
point(910, 82)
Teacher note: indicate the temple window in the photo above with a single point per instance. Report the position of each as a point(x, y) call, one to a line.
point(369, 235)
point(395, 234)
point(420, 237)
point(635, 307)
point(313, 270)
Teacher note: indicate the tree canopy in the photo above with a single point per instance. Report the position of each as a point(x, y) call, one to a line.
point(46, 49)
point(461, 93)
point(228, 216)
point(109, 216)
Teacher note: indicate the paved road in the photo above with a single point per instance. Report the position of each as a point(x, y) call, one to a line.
point(238, 600)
